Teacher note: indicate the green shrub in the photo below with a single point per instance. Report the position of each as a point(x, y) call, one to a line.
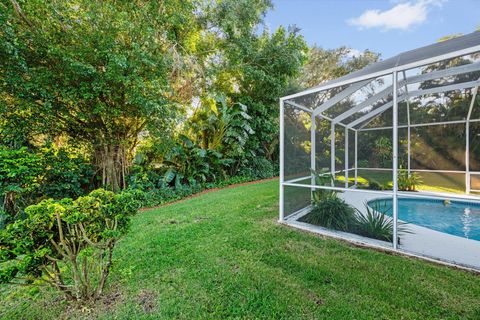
point(258, 168)
point(373, 185)
point(4, 219)
point(408, 181)
point(157, 196)
point(67, 175)
point(376, 224)
point(67, 244)
point(331, 213)
point(363, 163)
point(20, 170)
point(187, 163)
point(382, 152)
point(144, 179)
point(27, 176)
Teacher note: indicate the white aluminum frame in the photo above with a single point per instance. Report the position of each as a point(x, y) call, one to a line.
point(357, 83)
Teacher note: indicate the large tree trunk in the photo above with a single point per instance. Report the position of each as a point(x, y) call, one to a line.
point(112, 160)
point(9, 203)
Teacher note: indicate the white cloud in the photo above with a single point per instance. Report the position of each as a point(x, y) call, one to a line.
point(402, 16)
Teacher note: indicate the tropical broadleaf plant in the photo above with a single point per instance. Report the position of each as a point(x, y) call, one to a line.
point(222, 127)
point(188, 163)
point(322, 178)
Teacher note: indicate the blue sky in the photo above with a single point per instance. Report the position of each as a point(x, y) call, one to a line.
point(388, 26)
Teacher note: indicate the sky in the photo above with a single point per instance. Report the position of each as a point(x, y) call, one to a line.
point(385, 26)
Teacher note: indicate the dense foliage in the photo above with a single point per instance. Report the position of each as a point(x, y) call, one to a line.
point(67, 244)
point(138, 94)
point(27, 176)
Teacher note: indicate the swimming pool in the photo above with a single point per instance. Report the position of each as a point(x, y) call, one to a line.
point(458, 218)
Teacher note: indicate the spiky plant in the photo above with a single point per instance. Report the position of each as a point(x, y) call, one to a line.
point(332, 213)
point(376, 224)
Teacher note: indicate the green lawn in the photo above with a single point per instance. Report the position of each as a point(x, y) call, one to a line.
point(223, 254)
point(430, 181)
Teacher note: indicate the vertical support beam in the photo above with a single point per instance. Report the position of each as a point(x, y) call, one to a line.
point(408, 125)
point(346, 157)
point(356, 157)
point(282, 163)
point(467, 158)
point(468, 181)
point(408, 149)
point(395, 160)
point(313, 128)
point(332, 151)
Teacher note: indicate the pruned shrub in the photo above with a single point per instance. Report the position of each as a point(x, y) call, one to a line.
point(67, 244)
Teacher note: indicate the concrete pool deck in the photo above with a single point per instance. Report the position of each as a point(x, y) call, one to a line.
point(422, 241)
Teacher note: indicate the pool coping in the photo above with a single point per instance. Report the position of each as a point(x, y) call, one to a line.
point(424, 243)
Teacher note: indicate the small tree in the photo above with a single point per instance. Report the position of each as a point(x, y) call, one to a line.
point(67, 244)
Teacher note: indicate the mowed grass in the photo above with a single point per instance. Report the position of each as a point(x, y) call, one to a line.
point(430, 181)
point(223, 255)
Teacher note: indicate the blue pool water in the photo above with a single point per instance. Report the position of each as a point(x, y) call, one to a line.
point(458, 218)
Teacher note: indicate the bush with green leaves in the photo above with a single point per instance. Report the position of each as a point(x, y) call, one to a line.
point(5, 218)
point(382, 154)
point(20, 170)
point(374, 223)
point(157, 196)
point(332, 213)
point(408, 181)
point(66, 174)
point(258, 168)
point(188, 163)
point(67, 244)
point(26, 176)
point(328, 210)
point(374, 185)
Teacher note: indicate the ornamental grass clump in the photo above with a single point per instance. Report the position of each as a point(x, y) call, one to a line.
point(376, 224)
point(67, 244)
point(333, 213)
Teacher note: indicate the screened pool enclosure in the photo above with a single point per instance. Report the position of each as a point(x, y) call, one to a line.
point(397, 145)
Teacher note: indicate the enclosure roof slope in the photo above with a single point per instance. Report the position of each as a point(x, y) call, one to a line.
point(471, 40)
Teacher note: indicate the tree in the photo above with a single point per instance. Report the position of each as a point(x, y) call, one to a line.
point(98, 72)
point(327, 64)
point(254, 67)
